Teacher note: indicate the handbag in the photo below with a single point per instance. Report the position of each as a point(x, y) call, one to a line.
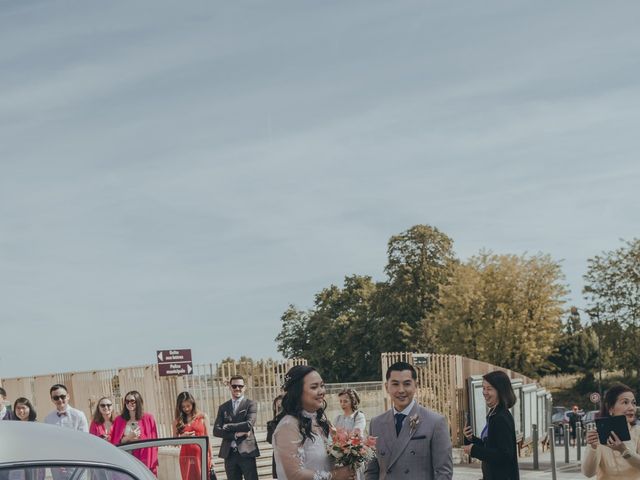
point(212, 474)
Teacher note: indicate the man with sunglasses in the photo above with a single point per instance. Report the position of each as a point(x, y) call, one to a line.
point(65, 415)
point(234, 424)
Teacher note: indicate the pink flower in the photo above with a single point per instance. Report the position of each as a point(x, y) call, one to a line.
point(371, 441)
point(341, 436)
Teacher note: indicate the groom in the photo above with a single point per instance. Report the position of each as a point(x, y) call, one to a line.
point(413, 442)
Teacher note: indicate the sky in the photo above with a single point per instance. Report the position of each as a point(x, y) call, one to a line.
point(175, 174)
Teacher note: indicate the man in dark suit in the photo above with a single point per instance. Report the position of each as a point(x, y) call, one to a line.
point(413, 442)
point(234, 424)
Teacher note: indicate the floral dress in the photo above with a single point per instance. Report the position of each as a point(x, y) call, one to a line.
point(301, 461)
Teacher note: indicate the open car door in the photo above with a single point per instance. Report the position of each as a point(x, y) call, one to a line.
point(178, 457)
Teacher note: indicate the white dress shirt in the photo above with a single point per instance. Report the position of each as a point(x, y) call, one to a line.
point(236, 403)
point(70, 418)
point(406, 411)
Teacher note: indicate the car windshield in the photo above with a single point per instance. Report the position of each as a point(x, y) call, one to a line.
point(62, 473)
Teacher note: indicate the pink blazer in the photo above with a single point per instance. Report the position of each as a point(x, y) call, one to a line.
point(148, 430)
point(97, 429)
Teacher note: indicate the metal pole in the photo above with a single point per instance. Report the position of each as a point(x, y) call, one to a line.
point(534, 435)
point(552, 435)
point(578, 440)
point(566, 443)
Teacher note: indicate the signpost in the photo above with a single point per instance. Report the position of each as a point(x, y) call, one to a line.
point(174, 362)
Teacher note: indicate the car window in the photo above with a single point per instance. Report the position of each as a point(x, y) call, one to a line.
point(40, 472)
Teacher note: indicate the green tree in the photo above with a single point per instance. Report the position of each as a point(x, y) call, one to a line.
point(335, 335)
point(461, 324)
point(612, 290)
point(293, 339)
point(502, 309)
point(420, 261)
point(576, 349)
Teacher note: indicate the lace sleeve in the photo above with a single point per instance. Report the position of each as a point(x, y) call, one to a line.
point(291, 458)
point(360, 422)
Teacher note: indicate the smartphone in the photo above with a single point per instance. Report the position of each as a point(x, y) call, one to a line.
point(467, 423)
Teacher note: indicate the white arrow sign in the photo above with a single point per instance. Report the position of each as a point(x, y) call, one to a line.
point(189, 369)
point(160, 356)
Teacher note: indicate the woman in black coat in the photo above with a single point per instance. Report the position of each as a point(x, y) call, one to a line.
point(496, 446)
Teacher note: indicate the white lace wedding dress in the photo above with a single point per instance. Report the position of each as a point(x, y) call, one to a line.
point(309, 461)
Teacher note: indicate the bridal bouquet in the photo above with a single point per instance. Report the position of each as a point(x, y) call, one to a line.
point(351, 448)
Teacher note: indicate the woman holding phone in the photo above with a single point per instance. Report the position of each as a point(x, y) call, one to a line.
point(496, 446)
point(190, 422)
point(616, 459)
point(135, 424)
point(102, 419)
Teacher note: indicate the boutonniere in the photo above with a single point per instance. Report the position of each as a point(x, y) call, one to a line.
point(414, 421)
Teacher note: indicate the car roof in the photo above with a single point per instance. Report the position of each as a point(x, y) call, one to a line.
point(38, 442)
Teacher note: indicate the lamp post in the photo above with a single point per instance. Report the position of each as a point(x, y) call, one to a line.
point(595, 325)
point(597, 330)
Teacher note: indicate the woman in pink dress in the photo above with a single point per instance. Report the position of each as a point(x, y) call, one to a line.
point(189, 422)
point(134, 424)
point(102, 420)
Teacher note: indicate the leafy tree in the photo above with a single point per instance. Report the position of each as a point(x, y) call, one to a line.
point(420, 261)
point(293, 339)
point(612, 289)
point(335, 335)
point(340, 323)
point(612, 284)
point(502, 309)
point(460, 322)
point(576, 350)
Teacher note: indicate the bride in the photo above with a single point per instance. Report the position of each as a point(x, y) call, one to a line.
point(300, 439)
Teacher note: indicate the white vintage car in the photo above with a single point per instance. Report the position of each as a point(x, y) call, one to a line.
point(36, 451)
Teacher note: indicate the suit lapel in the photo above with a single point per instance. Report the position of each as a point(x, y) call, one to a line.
point(389, 427)
point(405, 435)
point(241, 406)
point(228, 413)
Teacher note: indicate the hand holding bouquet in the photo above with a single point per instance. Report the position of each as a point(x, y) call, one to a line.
point(351, 448)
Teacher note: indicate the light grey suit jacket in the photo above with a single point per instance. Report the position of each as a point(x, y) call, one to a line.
point(420, 453)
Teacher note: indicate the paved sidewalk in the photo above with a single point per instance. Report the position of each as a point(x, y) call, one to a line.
point(564, 471)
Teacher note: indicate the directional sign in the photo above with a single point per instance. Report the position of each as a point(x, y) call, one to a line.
point(174, 362)
point(594, 397)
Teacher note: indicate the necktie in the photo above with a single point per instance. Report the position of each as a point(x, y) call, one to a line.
point(399, 419)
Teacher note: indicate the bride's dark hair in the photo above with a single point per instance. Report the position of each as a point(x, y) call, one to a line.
point(292, 402)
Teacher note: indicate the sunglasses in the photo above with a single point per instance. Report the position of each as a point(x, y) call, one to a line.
point(106, 405)
point(55, 398)
point(131, 400)
point(237, 387)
